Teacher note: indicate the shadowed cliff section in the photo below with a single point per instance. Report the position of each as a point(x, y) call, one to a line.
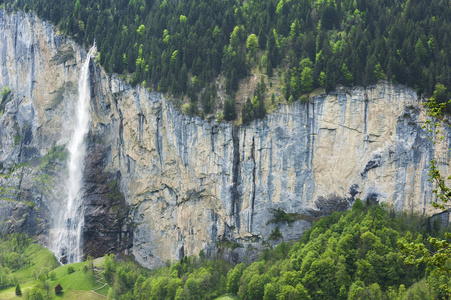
point(107, 226)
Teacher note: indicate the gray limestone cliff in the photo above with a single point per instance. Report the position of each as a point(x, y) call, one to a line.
point(162, 185)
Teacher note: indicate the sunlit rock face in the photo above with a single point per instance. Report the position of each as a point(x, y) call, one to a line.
point(163, 185)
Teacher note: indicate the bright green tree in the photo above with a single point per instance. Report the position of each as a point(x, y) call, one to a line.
point(141, 30)
point(307, 80)
point(347, 75)
point(322, 79)
point(252, 44)
point(270, 292)
point(379, 72)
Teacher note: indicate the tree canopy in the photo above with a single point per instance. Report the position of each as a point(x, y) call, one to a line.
point(165, 43)
point(348, 255)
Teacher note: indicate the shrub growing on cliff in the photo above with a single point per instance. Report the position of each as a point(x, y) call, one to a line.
point(281, 216)
point(4, 98)
point(275, 234)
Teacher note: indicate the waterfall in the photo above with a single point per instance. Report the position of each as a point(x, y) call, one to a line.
point(66, 238)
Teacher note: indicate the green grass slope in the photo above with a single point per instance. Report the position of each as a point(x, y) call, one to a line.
point(33, 266)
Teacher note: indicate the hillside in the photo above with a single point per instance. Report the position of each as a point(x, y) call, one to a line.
point(36, 272)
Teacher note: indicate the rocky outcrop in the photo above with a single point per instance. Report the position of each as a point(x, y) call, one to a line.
point(185, 184)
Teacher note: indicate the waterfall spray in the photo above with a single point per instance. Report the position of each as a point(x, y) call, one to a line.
point(66, 242)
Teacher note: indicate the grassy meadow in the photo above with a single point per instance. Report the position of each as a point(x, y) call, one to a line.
point(36, 270)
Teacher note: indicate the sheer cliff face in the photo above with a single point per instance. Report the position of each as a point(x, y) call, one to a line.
point(168, 185)
point(42, 68)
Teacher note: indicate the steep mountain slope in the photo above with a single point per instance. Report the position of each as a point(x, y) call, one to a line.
point(164, 184)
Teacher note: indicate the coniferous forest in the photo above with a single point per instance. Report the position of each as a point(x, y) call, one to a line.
point(180, 47)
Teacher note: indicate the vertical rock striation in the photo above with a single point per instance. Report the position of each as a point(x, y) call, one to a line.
point(184, 184)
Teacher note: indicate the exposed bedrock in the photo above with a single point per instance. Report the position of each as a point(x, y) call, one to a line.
point(165, 185)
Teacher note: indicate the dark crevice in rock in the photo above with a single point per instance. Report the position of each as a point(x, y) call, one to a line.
point(19, 188)
point(158, 142)
point(236, 174)
point(214, 130)
point(365, 115)
point(214, 227)
point(181, 253)
point(121, 134)
point(270, 183)
point(141, 120)
point(372, 198)
point(328, 205)
point(21, 159)
point(253, 185)
point(353, 191)
point(375, 162)
point(33, 69)
point(311, 134)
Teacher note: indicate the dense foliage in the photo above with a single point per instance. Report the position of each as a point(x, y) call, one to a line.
point(12, 258)
point(182, 46)
point(188, 279)
point(351, 255)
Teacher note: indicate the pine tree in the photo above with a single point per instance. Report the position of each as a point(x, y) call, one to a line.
point(229, 110)
point(18, 290)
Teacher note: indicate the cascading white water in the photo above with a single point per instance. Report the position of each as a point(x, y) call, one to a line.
point(66, 239)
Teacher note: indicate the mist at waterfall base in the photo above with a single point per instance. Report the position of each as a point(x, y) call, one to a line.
point(66, 234)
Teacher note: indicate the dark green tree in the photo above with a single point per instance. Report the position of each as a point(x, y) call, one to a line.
point(18, 290)
point(229, 110)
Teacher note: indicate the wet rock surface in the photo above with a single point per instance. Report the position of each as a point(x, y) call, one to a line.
point(107, 224)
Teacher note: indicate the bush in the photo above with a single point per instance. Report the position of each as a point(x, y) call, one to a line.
point(18, 290)
point(70, 270)
point(52, 276)
point(275, 235)
point(36, 293)
point(281, 216)
point(58, 289)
